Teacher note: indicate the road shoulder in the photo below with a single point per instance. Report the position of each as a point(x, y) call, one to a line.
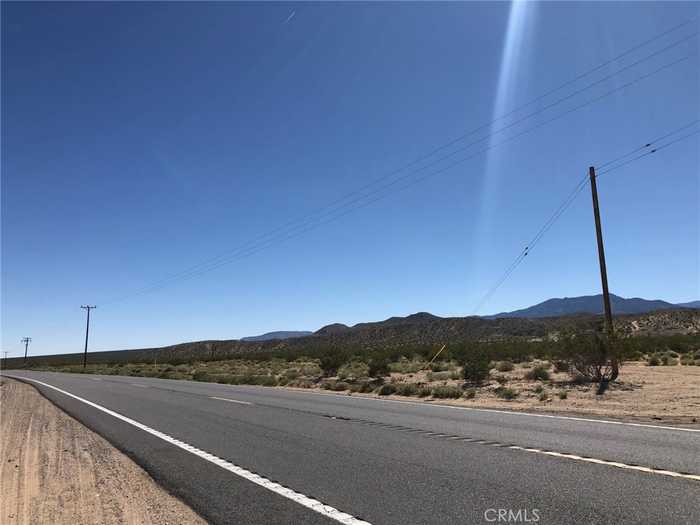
point(55, 470)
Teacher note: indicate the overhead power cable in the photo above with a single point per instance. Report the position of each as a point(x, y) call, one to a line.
point(333, 208)
point(380, 193)
point(649, 148)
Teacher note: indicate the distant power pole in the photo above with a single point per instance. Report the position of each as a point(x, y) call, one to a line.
point(26, 341)
point(5, 361)
point(601, 254)
point(87, 331)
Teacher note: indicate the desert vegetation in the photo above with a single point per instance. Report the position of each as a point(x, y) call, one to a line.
point(510, 371)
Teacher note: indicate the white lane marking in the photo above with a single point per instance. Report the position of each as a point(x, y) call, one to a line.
point(96, 378)
point(310, 503)
point(493, 411)
point(137, 384)
point(231, 400)
point(605, 462)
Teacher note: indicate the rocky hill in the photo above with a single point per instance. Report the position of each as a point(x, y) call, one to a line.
point(417, 330)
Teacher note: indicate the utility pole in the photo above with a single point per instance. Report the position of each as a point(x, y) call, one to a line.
point(87, 331)
point(601, 254)
point(26, 340)
point(5, 361)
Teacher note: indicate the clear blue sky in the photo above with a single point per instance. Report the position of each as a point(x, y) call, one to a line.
point(139, 139)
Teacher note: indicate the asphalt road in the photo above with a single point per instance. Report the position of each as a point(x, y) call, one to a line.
point(382, 461)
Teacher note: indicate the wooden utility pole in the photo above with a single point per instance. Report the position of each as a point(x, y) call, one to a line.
point(601, 254)
point(87, 331)
point(26, 340)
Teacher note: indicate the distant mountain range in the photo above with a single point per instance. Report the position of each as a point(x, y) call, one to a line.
point(633, 317)
point(269, 336)
point(592, 304)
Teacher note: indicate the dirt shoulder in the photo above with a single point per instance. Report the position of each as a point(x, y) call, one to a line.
point(54, 470)
point(658, 395)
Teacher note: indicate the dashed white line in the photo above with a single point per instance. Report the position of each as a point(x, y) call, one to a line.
point(137, 384)
point(231, 400)
point(301, 499)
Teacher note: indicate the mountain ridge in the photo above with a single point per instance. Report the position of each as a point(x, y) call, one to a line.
point(279, 334)
point(592, 304)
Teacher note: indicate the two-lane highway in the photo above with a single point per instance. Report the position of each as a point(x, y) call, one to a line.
point(240, 454)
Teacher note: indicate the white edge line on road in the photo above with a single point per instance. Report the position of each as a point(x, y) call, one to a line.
point(301, 499)
point(491, 410)
point(609, 463)
point(231, 400)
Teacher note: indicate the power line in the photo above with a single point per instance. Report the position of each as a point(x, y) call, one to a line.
point(273, 234)
point(575, 192)
point(381, 192)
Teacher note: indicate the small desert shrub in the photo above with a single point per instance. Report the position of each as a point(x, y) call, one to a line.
point(578, 379)
point(425, 391)
point(447, 392)
point(455, 374)
point(470, 393)
point(386, 390)
point(505, 366)
point(668, 360)
point(596, 356)
point(563, 394)
point(538, 373)
point(506, 393)
point(199, 375)
point(378, 367)
point(407, 389)
point(561, 366)
point(476, 367)
point(340, 386)
point(653, 360)
point(439, 366)
point(438, 376)
point(263, 380)
point(542, 396)
point(353, 371)
point(363, 387)
point(538, 389)
point(501, 380)
point(290, 374)
point(406, 366)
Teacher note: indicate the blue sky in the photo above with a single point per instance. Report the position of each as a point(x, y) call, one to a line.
point(140, 139)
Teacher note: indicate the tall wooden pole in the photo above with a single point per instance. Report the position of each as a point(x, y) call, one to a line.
point(87, 332)
point(601, 253)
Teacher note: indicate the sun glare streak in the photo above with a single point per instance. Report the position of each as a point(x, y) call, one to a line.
point(520, 28)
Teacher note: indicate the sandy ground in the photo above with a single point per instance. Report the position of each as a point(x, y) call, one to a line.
point(656, 394)
point(668, 394)
point(54, 470)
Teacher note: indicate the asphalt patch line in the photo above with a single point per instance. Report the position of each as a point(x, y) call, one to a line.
point(564, 455)
point(231, 400)
point(301, 499)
